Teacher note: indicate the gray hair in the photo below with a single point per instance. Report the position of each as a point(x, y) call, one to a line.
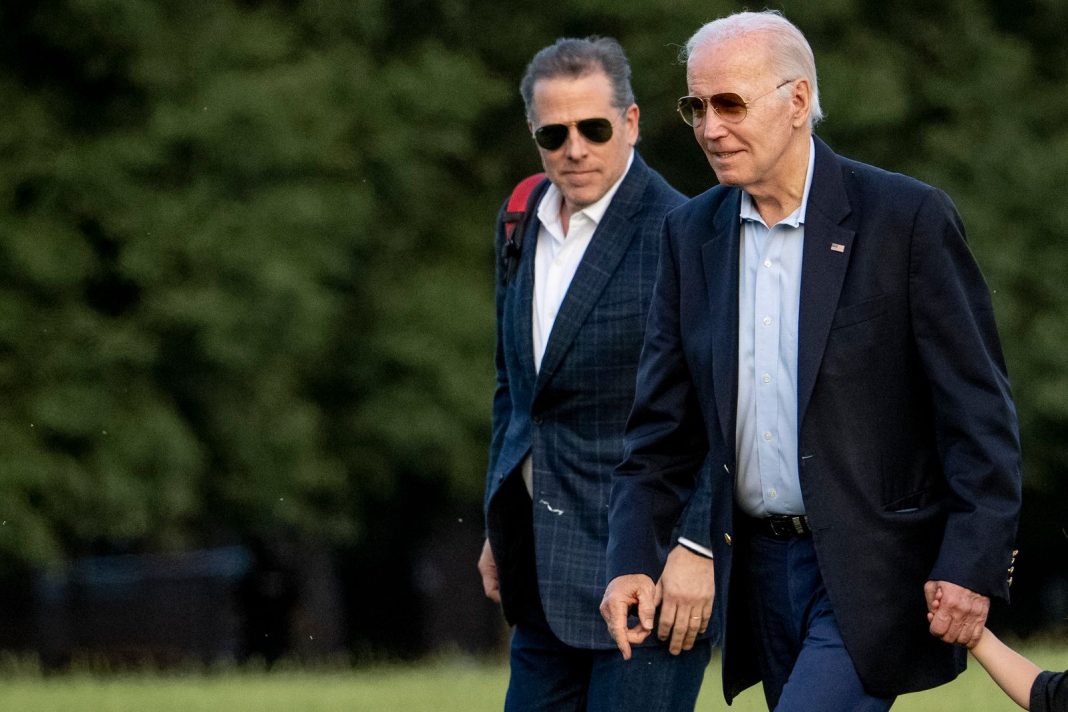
point(791, 54)
point(573, 58)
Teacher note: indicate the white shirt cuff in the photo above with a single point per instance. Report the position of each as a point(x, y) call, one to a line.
point(695, 547)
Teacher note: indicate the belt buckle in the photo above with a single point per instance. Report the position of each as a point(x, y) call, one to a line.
point(779, 528)
point(787, 526)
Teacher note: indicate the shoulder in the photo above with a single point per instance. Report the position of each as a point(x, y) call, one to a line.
point(867, 184)
point(657, 194)
point(857, 171)
point(664, 191)
point(702, 208)
point(883, 205)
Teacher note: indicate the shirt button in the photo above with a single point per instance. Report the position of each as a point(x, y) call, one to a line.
point(767, 263)
point(766, 378)
point(772, 493)
point(767, 321)
point(767, 436)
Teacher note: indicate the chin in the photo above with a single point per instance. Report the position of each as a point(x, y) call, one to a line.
point(726, 178)
point(583, 198)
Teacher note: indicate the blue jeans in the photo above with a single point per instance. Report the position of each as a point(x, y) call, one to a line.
point(547, 674)
point(804, 663)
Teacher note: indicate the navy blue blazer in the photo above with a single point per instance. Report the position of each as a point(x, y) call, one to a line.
point(571, 414)
point(908, 443)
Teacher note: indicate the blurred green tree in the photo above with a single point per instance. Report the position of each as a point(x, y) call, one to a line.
point(230, 298)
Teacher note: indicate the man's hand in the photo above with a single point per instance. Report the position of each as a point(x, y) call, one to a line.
point(488, 568)
point(622, 593)
point(956, 614)
point(687, 589)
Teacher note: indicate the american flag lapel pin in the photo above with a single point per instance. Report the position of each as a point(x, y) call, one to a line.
point(837, 247)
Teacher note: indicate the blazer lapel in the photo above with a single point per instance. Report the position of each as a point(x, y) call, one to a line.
point(607, 246)
point(824, 261)
point(720, 257)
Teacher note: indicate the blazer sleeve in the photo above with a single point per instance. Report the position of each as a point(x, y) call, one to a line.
point(695, 522)
point(664, 442)
point(502, 400)
point(975, 419)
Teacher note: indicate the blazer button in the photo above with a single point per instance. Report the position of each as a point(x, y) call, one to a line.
point(537, 420)
point(727, 538)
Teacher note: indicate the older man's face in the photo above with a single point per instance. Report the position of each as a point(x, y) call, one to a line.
point(583, 169)
point(752, 153)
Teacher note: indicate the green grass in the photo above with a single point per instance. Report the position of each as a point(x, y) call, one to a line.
point(441, 686)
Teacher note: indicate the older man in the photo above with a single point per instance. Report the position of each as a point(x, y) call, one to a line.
point(571, 307)
point(822, 342)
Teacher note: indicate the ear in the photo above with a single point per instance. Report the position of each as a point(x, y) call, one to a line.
point(801, 102)
point(630, 122)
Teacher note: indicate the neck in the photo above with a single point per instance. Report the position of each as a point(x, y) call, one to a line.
point(783, 194)
point(566, 211)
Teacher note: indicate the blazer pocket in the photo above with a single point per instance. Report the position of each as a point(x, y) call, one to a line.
point(929, 518)
point(855, 338)
point(859, 312)
point(922, 500)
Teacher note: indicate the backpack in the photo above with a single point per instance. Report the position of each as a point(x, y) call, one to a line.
point(515, 220)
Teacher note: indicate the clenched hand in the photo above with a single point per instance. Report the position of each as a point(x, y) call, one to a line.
point(956, 614)
point(487, 566)
point(687, 590)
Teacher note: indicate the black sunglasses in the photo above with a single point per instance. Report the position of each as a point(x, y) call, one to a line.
point(729, 106)
point(552, 136)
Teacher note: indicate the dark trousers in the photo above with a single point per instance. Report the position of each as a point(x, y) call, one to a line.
point(804, 663)
point(547, 674)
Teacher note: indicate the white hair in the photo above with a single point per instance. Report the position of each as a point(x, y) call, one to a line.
point(790, 51)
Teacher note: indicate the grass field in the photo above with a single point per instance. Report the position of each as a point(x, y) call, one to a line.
point(434, 687)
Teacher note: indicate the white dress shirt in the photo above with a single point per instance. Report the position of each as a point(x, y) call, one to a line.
point(556, 259)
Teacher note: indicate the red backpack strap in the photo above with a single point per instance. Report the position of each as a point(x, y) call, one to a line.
point(517, 203)
point(515, 215)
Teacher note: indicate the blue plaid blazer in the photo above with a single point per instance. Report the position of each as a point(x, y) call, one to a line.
point(570, 416)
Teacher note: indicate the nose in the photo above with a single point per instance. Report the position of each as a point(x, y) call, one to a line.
point(712, 127)
point(576, 144)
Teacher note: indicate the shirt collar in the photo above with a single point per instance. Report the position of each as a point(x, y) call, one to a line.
point(549, 208)
point(797, 217)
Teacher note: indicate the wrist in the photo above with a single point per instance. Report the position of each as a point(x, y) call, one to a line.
point(692, 546)
point(984, 642)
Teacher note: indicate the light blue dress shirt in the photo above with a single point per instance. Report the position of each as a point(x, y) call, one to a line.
point(769, 295)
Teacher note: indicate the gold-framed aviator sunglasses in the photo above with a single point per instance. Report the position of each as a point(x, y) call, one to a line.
point(729, 106)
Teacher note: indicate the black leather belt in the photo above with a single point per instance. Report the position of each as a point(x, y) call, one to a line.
point(781, 526)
